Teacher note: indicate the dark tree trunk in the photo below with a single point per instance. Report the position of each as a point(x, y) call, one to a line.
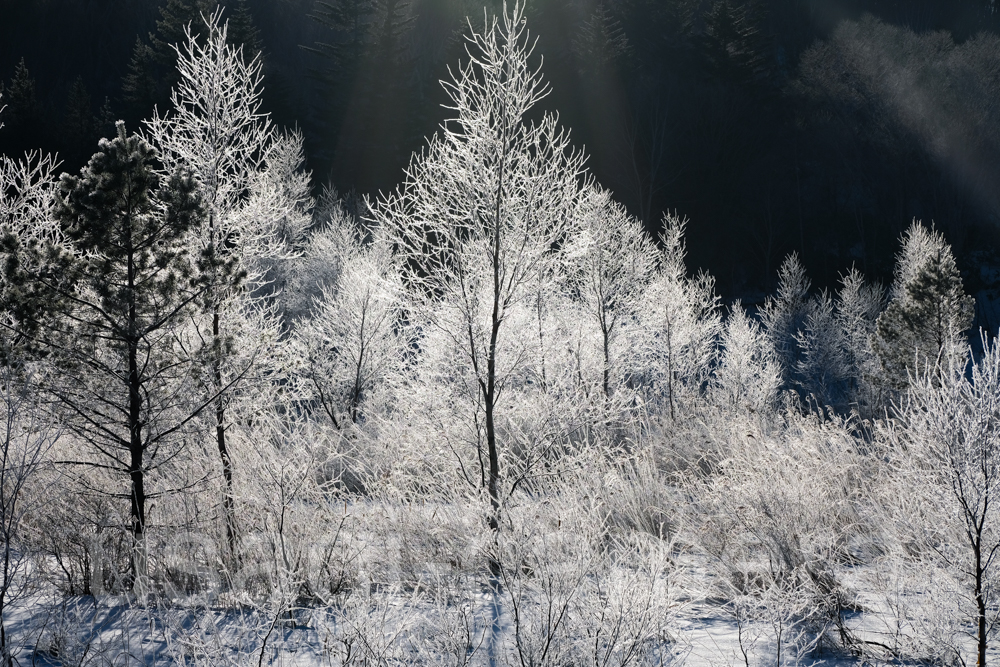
point(228, 503)
point(605, 336)
point(980, 605)
point(136, 446)
point(489, 388)
point(136, 472)
point(489, 399)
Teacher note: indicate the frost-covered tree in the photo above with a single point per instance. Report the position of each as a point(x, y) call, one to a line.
point(823, 341)
point(256, 200)
point(331, 239)
point(680, 322)
point(928, 311)
point(121, 279)
point(352, 345)
point(784, 315)
point(609, 263)
point(940, 504)
point(26, 435)
point(821, 371)
point(26, 228)
point(477, 218)
point(748, 375)
point(858, 306)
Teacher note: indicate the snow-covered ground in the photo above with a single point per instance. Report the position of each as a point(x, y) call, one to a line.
point(382, 627)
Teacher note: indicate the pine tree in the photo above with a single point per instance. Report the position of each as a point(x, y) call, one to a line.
point(821, 371)
point(923, 325)
point(125, 283)
point(152, 72)
point(351, 22)
point(387, 82)
point(366, 79)
point(394, 21)
point(244, 32)
point(141, 89)
point(106, 119)
point(176, 16)
point(601, 41)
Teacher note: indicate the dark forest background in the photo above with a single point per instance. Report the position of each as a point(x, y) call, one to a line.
point(817, 126)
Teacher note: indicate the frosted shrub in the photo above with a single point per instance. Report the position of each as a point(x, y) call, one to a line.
point(300, 536)
point(352, 345)
point(780, 516)
point(576, 588)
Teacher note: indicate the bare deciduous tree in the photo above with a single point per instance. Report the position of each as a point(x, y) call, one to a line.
point(256, 200)
point(610, 261)
point(479, 214)
point(942, 500)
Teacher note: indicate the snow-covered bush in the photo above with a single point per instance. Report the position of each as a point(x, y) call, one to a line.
point(779, 519)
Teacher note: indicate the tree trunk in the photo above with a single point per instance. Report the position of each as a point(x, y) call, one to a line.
point(136, 473)
point(136, 446)
point(670, 367)
point(228, 503)
point(605, 336)
point(489, 390)
point(489, 398)
point(980, 605)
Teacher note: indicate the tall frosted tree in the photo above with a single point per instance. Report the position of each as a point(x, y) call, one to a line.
point(256, 201)
point(680, 320)
point(477, 219)
point(120, 274)
point(610, 262)
point(923, 325)
point(26, 188)
point(939, 508)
